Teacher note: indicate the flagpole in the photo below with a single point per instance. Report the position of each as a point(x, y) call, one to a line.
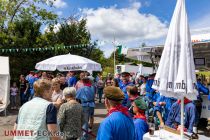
point(114, 54)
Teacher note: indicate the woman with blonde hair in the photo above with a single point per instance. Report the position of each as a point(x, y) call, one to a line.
point(38, 114)
point(57, 95)
point(70, 115)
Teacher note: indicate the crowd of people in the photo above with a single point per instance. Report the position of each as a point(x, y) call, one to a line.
point(66, 103)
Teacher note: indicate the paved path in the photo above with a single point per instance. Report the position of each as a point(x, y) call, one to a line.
point(6, 123)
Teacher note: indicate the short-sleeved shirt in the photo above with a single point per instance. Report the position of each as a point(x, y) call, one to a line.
point(13, 91)
point(63, 86)
point(86, 95)
point(51, 115)
point(116, 126)
point(100, 84)
point(143, 89)
point(56, 96)
point(72, 81)
point(23, 86)
point(141, 127)
point(79, 85)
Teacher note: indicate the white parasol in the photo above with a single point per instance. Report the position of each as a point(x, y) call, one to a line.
point(175, 76)
point(68, 62)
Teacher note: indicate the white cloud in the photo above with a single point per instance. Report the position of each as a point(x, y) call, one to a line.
point(55, 28)
point(58, 3)
point(126, 24)
point(59, 13)
point(201, 25)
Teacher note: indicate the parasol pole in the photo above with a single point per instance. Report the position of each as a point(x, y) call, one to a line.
point(114, 55)
point(182, 118)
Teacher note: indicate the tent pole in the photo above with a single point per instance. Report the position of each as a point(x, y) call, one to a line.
point(5, 112)
point(182, 118)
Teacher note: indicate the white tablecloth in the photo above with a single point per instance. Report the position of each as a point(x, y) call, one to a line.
point(167, 136)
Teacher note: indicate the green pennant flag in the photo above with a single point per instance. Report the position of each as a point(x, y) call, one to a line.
point(10, 50)
point(40, 49)
point(52, 48)
point(2, 50)
point(26, 49)
point(119, 49)
point(64, 47)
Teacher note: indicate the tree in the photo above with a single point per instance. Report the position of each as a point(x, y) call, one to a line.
point(20, 23)
point(73, 32)
point(11, 10)
point(20, 27)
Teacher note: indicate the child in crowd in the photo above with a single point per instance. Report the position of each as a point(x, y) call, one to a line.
point(13, 93)
point(139, 119)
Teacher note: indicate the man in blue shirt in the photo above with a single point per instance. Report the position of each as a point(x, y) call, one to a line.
point(118, 125)
point(151, 95)
point(31, 79)
point(174, 116)
point(149, 90)
point(124, 82)
point(162, 107)
point(86, 96)
point(72, 79)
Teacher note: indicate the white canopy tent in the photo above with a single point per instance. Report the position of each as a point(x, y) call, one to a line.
point(4, 83)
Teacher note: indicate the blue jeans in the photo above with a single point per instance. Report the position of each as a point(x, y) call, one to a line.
point(87, 113)
point(13, 100)
point(100, 93)
point(23, 98)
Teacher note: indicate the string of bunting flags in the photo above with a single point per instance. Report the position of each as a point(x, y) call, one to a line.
point(57, 47)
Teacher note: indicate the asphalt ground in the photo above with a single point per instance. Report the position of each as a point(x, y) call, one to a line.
point(7, 123)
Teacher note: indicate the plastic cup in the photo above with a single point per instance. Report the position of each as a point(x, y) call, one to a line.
point(151, 129)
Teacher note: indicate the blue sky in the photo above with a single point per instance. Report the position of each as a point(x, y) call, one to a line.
point(132, 22)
